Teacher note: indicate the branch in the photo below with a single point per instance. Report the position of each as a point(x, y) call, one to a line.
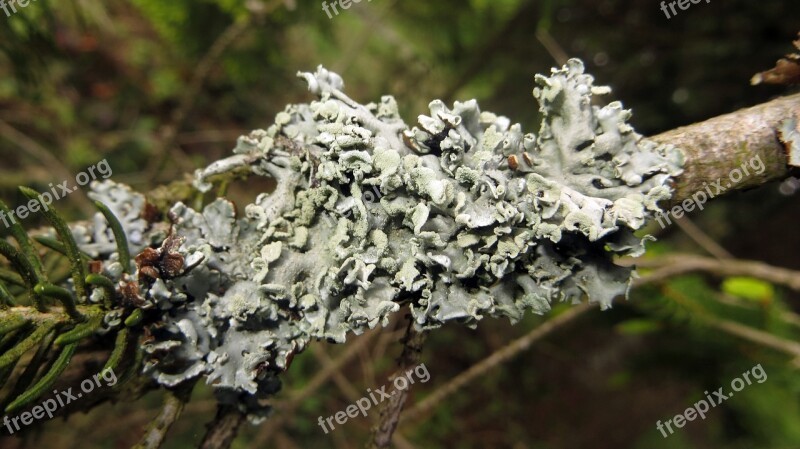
point(390, 410)
point(157, 430)
point(223, 429)
point(716, 147)
point(755, 335)
point(45, 157)
point(190, 95)
point(676, 264)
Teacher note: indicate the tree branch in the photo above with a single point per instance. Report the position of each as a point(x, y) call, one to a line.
point(719, 145)
point(677, 264)
point(157, 430)
point(223, 429)
point(390, 410)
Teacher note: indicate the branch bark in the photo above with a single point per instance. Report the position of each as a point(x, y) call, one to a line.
point(223, 429)
point(157, 430)
point(719, 145)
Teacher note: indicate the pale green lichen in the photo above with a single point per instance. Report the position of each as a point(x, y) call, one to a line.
point(460, 217)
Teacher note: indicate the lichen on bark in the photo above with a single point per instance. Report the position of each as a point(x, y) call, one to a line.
point(462, 216)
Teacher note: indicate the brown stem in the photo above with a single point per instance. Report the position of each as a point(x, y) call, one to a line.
point(223, 429)
point(390, 410)
point(158, 428)
point(677, 264)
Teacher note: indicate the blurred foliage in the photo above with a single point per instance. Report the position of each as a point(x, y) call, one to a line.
point(83, 81)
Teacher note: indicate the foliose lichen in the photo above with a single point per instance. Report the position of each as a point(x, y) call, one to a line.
point(461, 216)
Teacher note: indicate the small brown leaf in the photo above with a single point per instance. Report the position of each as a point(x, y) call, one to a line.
point(130, 294)
point(528, 158)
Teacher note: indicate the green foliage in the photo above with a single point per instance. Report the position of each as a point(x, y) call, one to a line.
point(61, 295)
point(56, 245)
point(176, 19)
point(46, 381)
point(56, 334)
point(685, 308)
point(70, 246)
point(119, 235)
point(639, 327)
point(23, 267)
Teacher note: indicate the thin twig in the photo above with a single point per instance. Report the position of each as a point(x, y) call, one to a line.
point(549, 43)
point(675, 264)
point(158, 428)
point(40, 153)
point(391, 409)
point(477, 64)
point(210, 136)
point(348, 388)
point(786, 316)
point(223, 429)
point(345, 386)
point(755, 335)
point(34, 149)
point(702, 238)
point(374, 25)
point(190, 95)
point(736, 329)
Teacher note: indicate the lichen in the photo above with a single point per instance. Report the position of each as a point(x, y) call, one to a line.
point(460, 217)
point(789, 133)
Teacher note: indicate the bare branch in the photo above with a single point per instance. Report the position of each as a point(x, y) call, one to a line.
point(223, 429)
point(676, 264)
point(719, 145)
point(390, 410)
point(157, 430)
